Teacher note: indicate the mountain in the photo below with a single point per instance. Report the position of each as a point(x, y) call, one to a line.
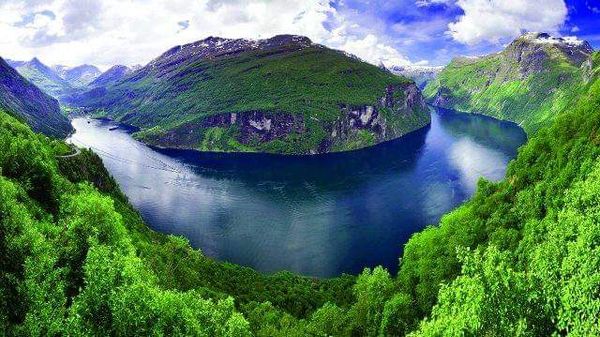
point(43, 77)
point(111, 76)
point(525, 250)
point(280, 95)
point(60, 70)
point(422, 75)
point(29, 103)
point(530, 82)
point(81, 76)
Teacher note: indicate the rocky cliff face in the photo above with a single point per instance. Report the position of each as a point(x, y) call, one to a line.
point(29, 103)
point(403, 102)
point(532, 51)
point(382, 121)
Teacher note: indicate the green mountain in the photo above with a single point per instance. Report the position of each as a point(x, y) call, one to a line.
point(43, 77)
point(30, 104)
point(522, 257)
point(530, 82)
point(280, 95)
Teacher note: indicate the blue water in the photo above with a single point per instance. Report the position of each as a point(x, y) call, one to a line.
point(319, 216)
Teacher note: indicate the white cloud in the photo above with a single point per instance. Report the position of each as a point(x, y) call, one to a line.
point(108, 32)
point(372, 50)
point(496, 20)
point(426, 3)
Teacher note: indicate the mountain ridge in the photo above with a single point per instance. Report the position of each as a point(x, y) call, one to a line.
point(279, 95)
point(110, 76)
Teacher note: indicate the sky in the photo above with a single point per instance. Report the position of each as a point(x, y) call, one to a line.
point(393, 32)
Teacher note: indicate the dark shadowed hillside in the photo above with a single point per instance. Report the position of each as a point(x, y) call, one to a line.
point(30, 104)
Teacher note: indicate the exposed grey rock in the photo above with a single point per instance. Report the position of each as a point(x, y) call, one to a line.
point(403, 100)
point(262, 126)
point(532, 50)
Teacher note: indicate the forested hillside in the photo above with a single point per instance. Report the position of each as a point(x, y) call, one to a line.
point(522, 257)
point(285, 95)
point(79, 260)
point(525, 250)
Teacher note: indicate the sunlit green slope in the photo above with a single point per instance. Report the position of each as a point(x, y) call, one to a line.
point(530, 82)
point(521, 258)
point(280, 95)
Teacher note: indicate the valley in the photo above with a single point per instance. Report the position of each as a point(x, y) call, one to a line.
point(278, 187)
point(243, 207)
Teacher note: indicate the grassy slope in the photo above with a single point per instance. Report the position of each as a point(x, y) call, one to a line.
point(84, 262)
point(43, 193)
point(312, 81)
point(493, 86)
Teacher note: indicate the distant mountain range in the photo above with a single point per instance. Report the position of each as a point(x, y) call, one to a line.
point(422, 75)
point(27, 102)
point(530, 82)
point(111, 76)
point(78, 77)
point(43, 76)
point(61, 81)
point(280, 95)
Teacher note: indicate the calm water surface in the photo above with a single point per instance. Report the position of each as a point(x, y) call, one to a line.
point(318, 216)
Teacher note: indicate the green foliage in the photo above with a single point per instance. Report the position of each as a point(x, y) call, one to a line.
point(257, 80)
point(397, 316)
point(170, 100)
point(520, 278)
point(522, 257)
point(372, 289)
point(79, 259)
point(494, 85)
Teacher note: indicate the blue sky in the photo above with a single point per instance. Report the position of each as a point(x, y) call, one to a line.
point(420, 29)
point(395, 32)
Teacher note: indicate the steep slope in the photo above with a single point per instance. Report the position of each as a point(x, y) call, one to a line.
point(70, 237)
point(30, 104)
point(529, 82)
point(280, 95)
point(422, 75)
point(43, 77)
point(533, 268)
point(110, 77)
point(520, 258)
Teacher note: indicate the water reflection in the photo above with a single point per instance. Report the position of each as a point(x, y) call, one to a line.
point(319, 215)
